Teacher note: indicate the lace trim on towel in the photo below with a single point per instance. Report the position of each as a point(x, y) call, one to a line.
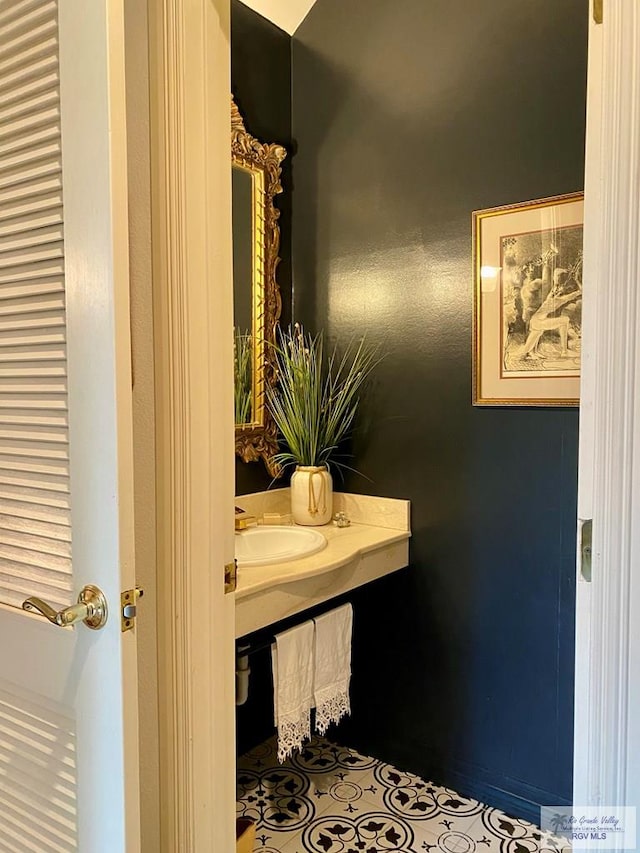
point(331, 709)
point(293, 731)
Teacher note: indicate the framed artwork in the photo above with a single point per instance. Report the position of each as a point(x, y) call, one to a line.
point(527, 326)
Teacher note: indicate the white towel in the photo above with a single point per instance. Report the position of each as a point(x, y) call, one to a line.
point(292, 658)
point(332, 666)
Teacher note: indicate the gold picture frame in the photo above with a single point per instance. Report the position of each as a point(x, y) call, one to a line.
point(258, 438)
point(527, 312)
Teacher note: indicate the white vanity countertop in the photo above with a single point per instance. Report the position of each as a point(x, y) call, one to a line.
point(344, 544)
point(374, 545)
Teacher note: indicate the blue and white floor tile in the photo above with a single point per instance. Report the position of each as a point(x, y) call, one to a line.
point(330, 799)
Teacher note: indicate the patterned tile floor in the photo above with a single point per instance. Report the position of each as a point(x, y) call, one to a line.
point(330, 799)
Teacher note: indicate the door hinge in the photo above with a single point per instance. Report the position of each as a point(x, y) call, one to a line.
point(129, 607)
point(597, 11)
point(231, 577)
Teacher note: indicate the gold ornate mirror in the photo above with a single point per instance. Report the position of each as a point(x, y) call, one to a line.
point(256, 295)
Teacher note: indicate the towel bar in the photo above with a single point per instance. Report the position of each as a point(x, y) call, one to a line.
point(247, 648)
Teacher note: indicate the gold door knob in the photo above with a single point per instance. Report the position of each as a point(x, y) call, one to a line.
point(90, 609)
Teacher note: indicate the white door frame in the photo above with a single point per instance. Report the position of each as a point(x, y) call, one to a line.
point(189, 49)
point(607, 689)
point(193, 320)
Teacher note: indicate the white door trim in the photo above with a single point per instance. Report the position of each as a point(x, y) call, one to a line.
point(607, 731)
point(191, 219)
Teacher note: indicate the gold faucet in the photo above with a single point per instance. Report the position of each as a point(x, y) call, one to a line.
point(243, 519)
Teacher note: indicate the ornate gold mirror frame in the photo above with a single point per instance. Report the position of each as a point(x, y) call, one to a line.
point(258, 438)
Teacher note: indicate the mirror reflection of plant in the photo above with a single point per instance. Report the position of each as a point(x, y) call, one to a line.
point(242, 372)
point(315, 399)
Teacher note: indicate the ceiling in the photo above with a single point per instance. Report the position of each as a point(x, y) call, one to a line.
point(286, 14)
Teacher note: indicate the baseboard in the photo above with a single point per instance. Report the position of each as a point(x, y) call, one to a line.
point(500, 794)
point(513, 796)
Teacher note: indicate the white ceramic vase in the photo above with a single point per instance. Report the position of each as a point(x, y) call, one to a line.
point(311, 495)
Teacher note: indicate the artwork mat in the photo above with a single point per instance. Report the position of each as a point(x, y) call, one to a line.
point(490, 226)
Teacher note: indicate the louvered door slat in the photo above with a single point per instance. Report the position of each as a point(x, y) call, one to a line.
point(33, 320)
point(37, 465)
point(36, 448)
point(43, 140)
point(25, 124)
point(44, 353)
point(27, 142)
point(45, 203)
point(32, 401)
point(27, 417)
point(42, 310)
point(40, 235)
point(30, 270)
point(30, 148)
point(44, 530)
point(29, 569)
point(33, 561)
point(26, 578)
point(26, 191)
point(28, 225)
point(27, 435)
point(44, 504)
point(14, 78)
point(47, 547)
point(30, 52)
point(34, 166)
point(38, 513)
point(35, 529)
point(28, 31)
point(28, 290)
point(30, 337)
point(16, 9)
point(39, 104)
point(18, 88)
point(16, 369)
point(40, 262)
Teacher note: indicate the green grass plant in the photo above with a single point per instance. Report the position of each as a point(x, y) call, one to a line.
point(316, 397)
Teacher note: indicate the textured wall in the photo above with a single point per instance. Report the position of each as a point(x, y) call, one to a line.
point(406, 117)
point(261, 84)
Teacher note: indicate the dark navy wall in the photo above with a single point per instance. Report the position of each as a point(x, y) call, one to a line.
point(407, 116)
point(261, 85)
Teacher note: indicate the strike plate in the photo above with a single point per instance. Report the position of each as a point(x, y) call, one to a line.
point(230, 577)
point(129, 607)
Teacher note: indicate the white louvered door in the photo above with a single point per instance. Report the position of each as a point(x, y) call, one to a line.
point(68, 713)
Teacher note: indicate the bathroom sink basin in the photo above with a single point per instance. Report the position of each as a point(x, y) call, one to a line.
point(259, 546)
